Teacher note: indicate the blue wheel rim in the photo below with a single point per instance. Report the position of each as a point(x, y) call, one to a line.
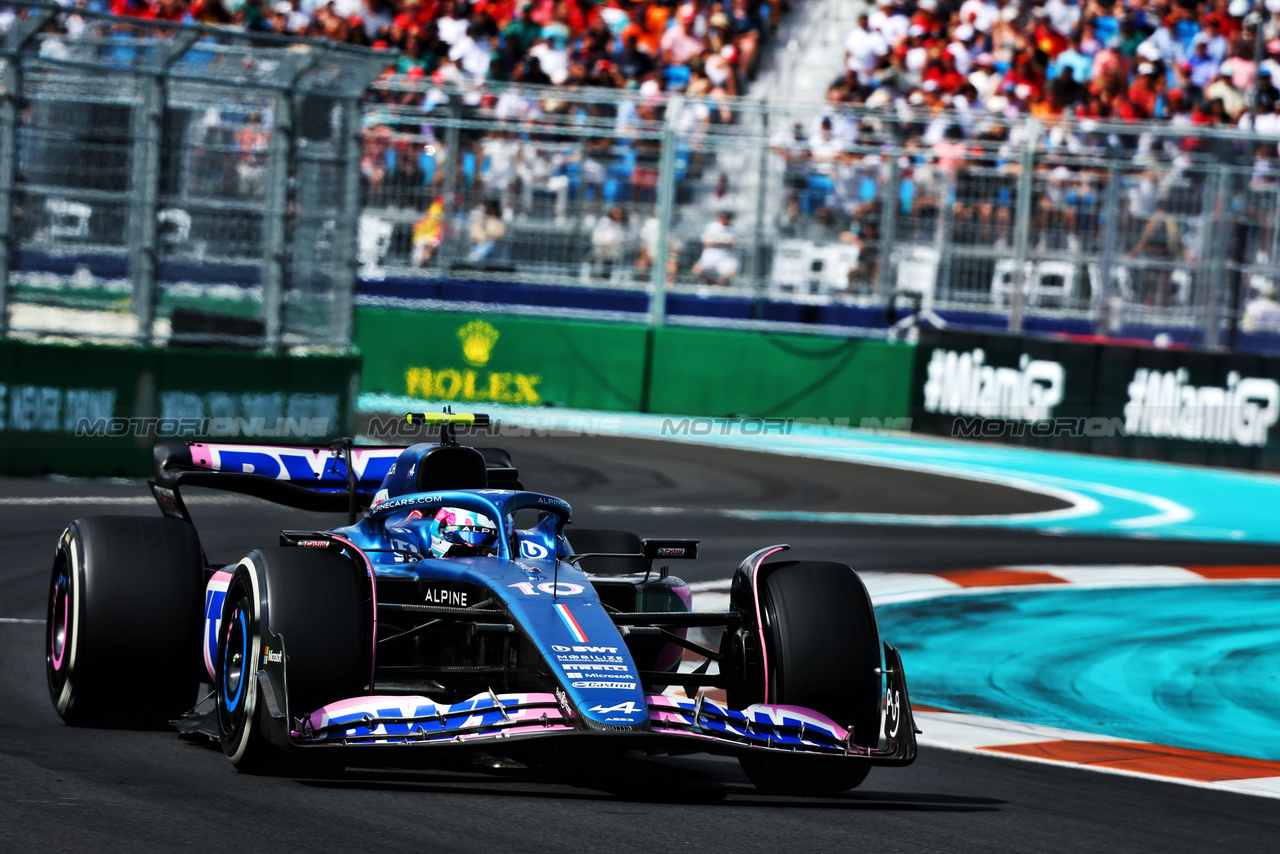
point(233, 669)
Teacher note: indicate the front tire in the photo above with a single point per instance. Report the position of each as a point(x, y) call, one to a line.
point(122, 642)
point(312, 601)
point(823, 652)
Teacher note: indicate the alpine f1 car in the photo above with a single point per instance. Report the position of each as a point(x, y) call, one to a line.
point(433, 623)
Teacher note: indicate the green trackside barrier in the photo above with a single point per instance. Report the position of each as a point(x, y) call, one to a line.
point(63, 407)
point(716, 373)
point(469, 358)
point(472, 358)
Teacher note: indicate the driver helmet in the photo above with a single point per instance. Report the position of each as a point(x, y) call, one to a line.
point(462, 533)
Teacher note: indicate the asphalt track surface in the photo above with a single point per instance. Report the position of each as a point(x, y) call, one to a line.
point(65, 788)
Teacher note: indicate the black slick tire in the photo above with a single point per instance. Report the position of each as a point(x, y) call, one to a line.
point(823, 652)
point(122, 637)
point(314, 601)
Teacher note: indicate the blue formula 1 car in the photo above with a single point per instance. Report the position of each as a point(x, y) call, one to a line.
point(458, 612)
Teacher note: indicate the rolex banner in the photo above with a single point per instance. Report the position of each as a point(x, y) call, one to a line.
point(473, 359)
point(1177, 405)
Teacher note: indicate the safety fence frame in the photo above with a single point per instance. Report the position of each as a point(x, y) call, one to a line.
point(164, 183)
point(1118, 229)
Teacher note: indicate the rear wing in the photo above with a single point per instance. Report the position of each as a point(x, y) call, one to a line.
point(334, 479)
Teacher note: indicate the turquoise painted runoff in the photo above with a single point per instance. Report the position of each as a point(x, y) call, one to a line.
point(1195, 666)
point(1108, 496)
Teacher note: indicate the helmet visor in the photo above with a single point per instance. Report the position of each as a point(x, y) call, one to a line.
point(468, 535)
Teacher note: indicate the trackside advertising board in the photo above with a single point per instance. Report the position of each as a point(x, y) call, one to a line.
point(99, 410)
point(525, 361)
point(715, 372)
point(1179, 406)
point(475, 359)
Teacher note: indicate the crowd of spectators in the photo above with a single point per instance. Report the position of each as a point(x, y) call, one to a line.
point(971, 67)
point(1190, 62)
point(953, 81)
point(699, 46)
point(708, 50)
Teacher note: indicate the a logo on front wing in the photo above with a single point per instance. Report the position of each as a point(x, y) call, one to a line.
point(628, 707)
point(892, 713)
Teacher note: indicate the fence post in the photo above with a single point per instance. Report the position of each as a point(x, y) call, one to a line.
point(1214, 247)
point(19, 34)
point(889, 222)
point(666, 200)
point(276, 197)
point(148, 115)
point(1103, 323)
point(1022, 223)
point(758, 263)
point(275, 207)
point(452, 135)
point(943, 239)
point(348, 224)
point(144, 184)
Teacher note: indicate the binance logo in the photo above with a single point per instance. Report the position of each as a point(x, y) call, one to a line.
point(478, 338)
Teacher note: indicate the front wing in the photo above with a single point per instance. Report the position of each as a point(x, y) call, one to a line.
point(675, 723)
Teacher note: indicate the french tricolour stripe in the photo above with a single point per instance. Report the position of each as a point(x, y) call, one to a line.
point(574, 628)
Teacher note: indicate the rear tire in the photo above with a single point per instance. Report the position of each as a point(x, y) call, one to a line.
point(315, 602)
point(823, 649)
point(122, 643)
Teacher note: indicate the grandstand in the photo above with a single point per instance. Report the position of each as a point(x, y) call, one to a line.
point(1079, 168)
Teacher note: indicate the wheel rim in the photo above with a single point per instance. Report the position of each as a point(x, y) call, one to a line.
point(234, 684)
point(59, 620)
point(58, 641)
point(235, 658)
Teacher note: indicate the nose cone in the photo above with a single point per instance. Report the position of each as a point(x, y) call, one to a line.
point(586, 652)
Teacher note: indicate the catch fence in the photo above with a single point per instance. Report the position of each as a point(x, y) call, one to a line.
point(1078, 226)
point(167, 183)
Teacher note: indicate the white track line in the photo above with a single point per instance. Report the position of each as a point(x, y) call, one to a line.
point(21, 621)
